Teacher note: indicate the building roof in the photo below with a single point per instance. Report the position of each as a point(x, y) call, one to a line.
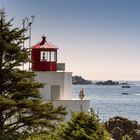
point(44, 44)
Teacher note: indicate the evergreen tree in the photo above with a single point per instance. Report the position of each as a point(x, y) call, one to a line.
point(21, 106)
point(83, 126)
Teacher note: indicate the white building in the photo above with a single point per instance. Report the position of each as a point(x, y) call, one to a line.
point(58, 82)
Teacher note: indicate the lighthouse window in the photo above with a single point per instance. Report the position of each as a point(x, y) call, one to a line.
point(45, 56)
point(49, 56)
point(53, 56)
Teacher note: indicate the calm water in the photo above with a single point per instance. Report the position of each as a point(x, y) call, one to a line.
point(109, 102)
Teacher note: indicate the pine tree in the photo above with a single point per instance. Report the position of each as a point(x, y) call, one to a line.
point(21, 106)
point(83, 126)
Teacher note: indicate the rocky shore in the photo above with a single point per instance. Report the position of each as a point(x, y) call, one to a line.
point(121, 128)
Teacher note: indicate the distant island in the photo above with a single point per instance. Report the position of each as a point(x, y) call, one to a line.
point(109, 82)
point(78, 80)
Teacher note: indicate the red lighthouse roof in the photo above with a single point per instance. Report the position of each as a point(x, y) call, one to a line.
point(44, 44)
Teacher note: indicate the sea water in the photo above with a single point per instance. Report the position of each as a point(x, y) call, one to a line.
point(108, 101)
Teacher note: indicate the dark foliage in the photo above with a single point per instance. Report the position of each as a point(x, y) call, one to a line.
point(21, 107)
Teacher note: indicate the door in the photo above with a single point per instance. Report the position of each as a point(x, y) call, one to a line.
point(55, 92)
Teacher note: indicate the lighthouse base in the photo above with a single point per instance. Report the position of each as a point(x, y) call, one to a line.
point(73, 105)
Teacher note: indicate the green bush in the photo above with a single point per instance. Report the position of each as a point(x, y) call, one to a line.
point(83, 126)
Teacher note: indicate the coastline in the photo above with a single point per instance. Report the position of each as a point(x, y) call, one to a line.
point(109, 102)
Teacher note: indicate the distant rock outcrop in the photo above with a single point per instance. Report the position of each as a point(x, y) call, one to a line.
point(81, 81)
point(120, 126)
point(109, 82)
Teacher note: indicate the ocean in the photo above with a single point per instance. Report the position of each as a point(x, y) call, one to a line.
point(108, 101)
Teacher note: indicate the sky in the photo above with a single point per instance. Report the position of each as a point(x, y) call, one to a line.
point(97, 39)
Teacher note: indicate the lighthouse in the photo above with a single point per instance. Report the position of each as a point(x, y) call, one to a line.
point(58, 82)
point(44, 56)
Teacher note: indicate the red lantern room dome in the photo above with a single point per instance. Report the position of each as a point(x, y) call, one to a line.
point(44, 44)
point(44, 56)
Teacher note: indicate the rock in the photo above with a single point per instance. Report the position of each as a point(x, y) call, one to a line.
point(122, 126)
point(135, 134)
point(117, 133)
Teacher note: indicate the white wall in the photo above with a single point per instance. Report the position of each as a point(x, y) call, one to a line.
point(63, 79)
point(73, 105)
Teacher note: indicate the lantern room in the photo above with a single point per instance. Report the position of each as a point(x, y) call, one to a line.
point(44, 56)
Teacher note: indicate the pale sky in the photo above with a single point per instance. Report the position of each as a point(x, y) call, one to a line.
point(97, 39)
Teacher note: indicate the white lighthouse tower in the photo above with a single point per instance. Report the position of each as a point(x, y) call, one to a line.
point(58, 82)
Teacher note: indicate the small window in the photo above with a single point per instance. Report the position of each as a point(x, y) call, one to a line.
point(48, 56)
point(44, 56)
point(53, 56)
